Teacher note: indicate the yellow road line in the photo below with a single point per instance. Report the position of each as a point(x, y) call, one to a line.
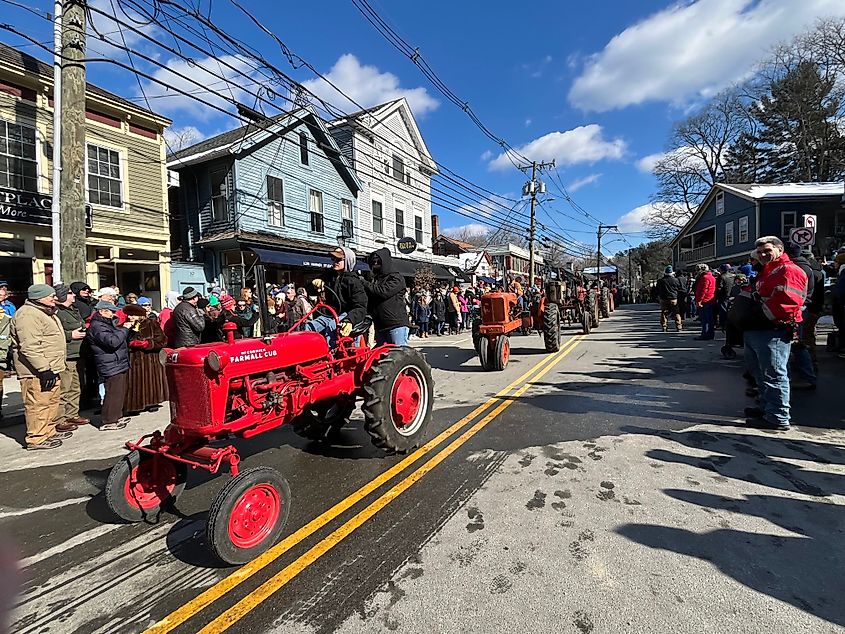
point(209, 596)
point(269, 587)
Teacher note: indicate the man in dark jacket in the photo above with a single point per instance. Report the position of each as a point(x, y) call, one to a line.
point(343, 291)
point(188, 320)
point(438, 313)
point(386, 292)
point(668, 291)
point(70, 379)
point(724, 285)
point(110, 346)
point(83, 299)
point(803, 363)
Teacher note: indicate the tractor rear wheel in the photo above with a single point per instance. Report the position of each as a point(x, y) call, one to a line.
point(551, 327)
point(476, 335)
point(605, 303)
point(398, 397)
point(141, 483)
point(484, 353)
point(248, 515)
point(585, 322)
point(323, 422)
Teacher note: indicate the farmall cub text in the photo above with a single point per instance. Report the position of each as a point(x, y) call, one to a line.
point(242, 388)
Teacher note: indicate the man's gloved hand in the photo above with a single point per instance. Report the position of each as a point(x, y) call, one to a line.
point(48, 380)
point(367, 275)
point(318, 284)
point(345, 328)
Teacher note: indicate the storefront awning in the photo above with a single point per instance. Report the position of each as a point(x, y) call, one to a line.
point(487, 280)
point(298, 258)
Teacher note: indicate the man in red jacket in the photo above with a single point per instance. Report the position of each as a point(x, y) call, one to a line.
point(705, 300)
point(782, 288)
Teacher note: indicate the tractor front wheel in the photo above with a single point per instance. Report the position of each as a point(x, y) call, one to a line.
point(501, 353)
point(398, 398)
point(248, 515)
point(585, 322)
point(551, 328)
point(323, 422)
point(141, 483)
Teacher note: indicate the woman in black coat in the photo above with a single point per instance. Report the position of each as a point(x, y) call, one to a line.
point(109, 344)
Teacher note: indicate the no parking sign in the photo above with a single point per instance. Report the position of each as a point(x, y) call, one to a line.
point(803, 236)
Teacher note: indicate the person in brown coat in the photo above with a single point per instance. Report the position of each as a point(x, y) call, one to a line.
point(38, 340)
point(146, 385)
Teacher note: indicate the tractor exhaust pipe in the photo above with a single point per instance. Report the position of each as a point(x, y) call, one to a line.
point(261, 292)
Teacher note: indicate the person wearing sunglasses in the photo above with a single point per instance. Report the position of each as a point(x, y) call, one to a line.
point(344, 291)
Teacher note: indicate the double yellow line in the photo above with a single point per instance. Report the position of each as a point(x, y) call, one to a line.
point(269, 587)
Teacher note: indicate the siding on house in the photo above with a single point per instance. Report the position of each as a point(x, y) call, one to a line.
point(281, 158)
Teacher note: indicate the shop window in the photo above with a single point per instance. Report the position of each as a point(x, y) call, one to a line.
point(105, 186)
point(18, 157)
point(400, 222)
point(378, 217)
point(315, 206)
point(275, 202)
point(418, 229)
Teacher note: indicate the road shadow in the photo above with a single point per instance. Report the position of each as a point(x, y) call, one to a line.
point(803, 568)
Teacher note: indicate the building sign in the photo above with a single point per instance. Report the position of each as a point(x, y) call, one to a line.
point(406, 245)
point(30, 208)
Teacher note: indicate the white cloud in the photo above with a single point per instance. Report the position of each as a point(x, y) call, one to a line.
point(691, 49)
point(577, 184)
point(368, 87)
point(584, 144)
point(680, 156)
point(206, 72)
point(486, 155)
point(471, 229)
point(647, 163)
point(528, 121)
point(634, 220)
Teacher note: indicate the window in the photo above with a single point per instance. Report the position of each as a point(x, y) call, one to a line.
point(729, 233)
point(787, 222)
point(18, 157)
point(387, 167)
point(348, 230)
point(315, 206)
point(398, 168)
point(275, 202)
point(418, 229)
point(104, 185)
point(400, 222)
point(219, 204)
point(743, 229)
point(720, 204)
point(839, 227)
point(303, 148)
point(378, 217)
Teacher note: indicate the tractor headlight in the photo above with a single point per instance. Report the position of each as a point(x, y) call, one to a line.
point(216, 362)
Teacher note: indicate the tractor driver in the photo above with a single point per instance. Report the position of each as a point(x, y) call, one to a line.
point(343, 291)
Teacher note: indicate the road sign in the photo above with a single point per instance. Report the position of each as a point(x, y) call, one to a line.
point(803, 236)
point(810, 220)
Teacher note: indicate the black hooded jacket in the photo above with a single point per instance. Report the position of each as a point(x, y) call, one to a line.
point(84, 306)
point(386, 293)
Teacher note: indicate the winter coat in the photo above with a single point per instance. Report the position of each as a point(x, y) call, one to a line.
point(705, 288)
point(188, 324)
point(5, 336)
point(146, 384)
point(71, 320)
point(782, 287)
point(422, 313)
point(247, 314)
point(38, 340)
point(438, 308)
point(452, 304)
point(463, 303)
point(804, 265)
point(110, 346)
point(243, 323)
point(8, 307)
point(386, 293)
point(668, 287)
point(683, 280)
point(724, 286)
point(816, 300)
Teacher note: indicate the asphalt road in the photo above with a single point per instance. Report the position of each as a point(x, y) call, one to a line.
point(608, 489)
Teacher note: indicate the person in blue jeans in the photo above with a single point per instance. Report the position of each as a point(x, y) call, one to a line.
point(386, 295)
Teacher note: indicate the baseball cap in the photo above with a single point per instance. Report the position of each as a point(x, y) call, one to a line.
point(338, 253)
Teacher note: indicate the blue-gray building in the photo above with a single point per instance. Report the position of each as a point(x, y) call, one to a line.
point(278, 192)
point(732, 216)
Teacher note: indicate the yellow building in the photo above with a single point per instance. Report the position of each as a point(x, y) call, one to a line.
point(128, 234)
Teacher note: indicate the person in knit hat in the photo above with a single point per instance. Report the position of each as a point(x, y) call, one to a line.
point(228, 315)
point(71, 379)
point(38, 340)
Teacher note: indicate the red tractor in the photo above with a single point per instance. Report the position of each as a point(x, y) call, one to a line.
point(242, 388)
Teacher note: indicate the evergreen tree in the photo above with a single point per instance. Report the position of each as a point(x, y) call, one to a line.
point(799, 139)
point(744, 161)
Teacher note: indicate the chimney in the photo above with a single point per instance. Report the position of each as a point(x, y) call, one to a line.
point(435, 227)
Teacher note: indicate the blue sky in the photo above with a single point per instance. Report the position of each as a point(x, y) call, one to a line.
point(594, 85)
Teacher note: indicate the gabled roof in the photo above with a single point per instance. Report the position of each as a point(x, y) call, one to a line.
point(754, 192)
point(242, 140)
point(466, 246)
point(18, 60)
point(371, 118)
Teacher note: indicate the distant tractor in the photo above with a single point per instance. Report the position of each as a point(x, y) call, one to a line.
point(500, 316)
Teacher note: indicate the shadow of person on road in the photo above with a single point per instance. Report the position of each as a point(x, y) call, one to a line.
point(803, 569)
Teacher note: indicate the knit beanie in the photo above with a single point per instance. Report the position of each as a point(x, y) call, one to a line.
point(61, 291)
point(40, 291)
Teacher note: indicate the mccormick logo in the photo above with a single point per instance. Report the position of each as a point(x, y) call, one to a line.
point(254, 355)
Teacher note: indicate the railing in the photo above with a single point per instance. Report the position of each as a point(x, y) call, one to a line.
point(708, 251)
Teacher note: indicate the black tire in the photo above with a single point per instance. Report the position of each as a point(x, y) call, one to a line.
point(605, 304)
point(476, 335)
point(551, 327)
point(484, 353)
point(323, 422)
point(263, 496)
point(133, 496)
point(501, 353)
point(585, 322)
point(398, 387)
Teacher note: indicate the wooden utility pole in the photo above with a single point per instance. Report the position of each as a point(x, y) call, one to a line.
point(72, 186)
point(534, 187)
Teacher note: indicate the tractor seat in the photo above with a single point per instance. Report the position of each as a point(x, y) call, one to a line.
point(362, 327)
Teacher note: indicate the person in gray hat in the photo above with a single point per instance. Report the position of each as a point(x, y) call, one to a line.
point(188, 319)
point(38, 341)
point(74, 329)
point(110, 346)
